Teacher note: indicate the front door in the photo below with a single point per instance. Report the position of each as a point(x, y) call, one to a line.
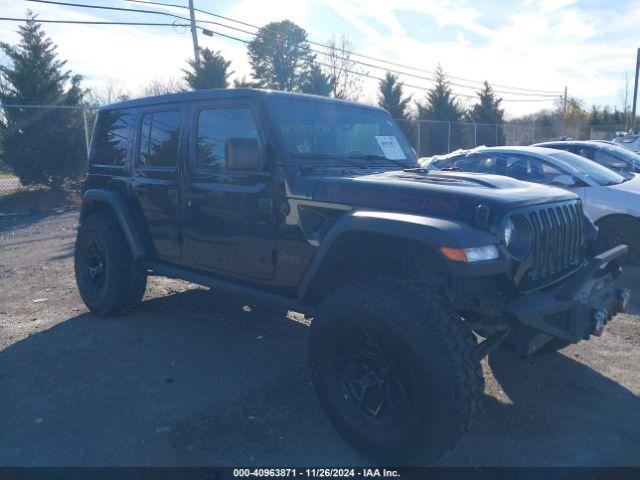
point(155, 181)
point(229, 223)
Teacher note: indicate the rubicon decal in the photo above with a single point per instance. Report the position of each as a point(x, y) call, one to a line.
point(388, 199)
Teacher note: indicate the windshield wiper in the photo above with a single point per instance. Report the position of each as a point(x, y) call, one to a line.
point(378, 157)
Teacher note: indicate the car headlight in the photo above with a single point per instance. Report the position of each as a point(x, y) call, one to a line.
point(517, 236)
point(471, 255)
point(507, 231)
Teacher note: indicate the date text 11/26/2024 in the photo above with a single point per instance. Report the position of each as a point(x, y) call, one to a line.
point(317, 472)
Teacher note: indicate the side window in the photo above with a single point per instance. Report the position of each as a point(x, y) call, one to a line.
point(215, 127)
point(160, 139)
point(112, 138)
point(608, 160)
point(486, 164)
point(532, 169)
point(585, 152)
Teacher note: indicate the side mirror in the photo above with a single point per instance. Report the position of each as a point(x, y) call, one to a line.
point(242, 154)
point(565, 181)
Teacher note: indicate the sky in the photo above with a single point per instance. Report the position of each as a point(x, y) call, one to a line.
point(588, 46)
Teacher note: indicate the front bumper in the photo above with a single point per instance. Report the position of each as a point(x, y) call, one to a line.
point(578, 307)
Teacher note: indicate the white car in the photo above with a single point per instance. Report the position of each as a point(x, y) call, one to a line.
point(611, 201)
point(629, 140)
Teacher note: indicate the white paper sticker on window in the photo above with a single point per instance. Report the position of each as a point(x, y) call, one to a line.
point(391, 148)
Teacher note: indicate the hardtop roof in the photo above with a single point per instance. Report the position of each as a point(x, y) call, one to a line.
point(226, 93)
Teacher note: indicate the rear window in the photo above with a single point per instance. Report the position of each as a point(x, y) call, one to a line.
point(112, 138)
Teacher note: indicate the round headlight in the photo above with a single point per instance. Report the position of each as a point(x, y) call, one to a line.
point(517, 235)
point(508, 231)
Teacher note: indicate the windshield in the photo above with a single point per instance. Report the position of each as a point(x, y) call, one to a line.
point(624, 154)
point(337, 133)
point(590, 169)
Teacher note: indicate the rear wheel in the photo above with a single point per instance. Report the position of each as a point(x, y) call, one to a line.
point(394, 370)
point(109, 279)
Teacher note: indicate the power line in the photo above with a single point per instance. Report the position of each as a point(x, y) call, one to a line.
point(419, 87)
point(420, 77)
point(149, 2)
point(366, 75)
point(89, 22)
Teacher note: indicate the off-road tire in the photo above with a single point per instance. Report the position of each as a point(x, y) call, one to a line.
point(125, 279)
point(439, 351)
point(616, 231)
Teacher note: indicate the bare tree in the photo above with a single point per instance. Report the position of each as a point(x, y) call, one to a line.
point(162, 86)
point(110, 93)
point(343, 71)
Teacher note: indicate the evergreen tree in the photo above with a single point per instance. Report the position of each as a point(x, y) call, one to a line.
point(487, 111)
point(391, 98)
point(316, 82)
point(244, 83)
point(280, 56)
point(41, 146)
point(441, 104)
point(213, 71)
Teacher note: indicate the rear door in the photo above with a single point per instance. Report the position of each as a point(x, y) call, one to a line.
point(229, 221)
point(155, 182)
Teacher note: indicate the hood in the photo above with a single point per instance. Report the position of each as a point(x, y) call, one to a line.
point(445, 194)
point(631, 186)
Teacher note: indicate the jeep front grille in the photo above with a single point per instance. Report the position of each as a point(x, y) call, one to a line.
point(558, 245)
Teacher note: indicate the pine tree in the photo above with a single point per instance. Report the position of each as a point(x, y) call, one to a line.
point(212, 72)
point(487, 111)
point(441, 104)
point(41, 146)
point(391, 98)
point(280, 56)
point(316, 82)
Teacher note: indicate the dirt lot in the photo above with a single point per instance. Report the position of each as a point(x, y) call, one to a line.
point(192, 378)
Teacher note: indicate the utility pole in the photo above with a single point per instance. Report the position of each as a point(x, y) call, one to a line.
point(564, 111)
point(194, 34)
point(635, 93)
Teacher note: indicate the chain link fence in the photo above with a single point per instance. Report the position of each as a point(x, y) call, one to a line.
point(433, 137)
point(43, 156)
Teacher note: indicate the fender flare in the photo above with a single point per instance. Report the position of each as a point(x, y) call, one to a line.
point(118, 205)
point(432, 232)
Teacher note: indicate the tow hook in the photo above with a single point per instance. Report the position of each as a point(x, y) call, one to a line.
point(624, 295)
point(600, 317)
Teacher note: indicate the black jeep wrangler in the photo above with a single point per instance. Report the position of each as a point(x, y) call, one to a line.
point(318, 205)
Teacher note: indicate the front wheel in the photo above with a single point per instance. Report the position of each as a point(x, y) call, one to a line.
point(394, 370)
point(621, 231)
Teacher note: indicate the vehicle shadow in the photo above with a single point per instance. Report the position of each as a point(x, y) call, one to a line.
point(194, 379)
point(190, 379)
point(552, 410)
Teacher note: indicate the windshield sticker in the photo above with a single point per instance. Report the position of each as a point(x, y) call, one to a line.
point(390, 147)
point(303, 148)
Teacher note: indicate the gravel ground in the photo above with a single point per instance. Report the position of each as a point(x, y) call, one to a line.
point(193, 378)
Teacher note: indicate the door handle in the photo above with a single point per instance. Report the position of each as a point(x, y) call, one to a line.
point(194, 198)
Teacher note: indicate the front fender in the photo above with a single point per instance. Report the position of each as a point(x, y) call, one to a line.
point(432, 232)
point(117, 204)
